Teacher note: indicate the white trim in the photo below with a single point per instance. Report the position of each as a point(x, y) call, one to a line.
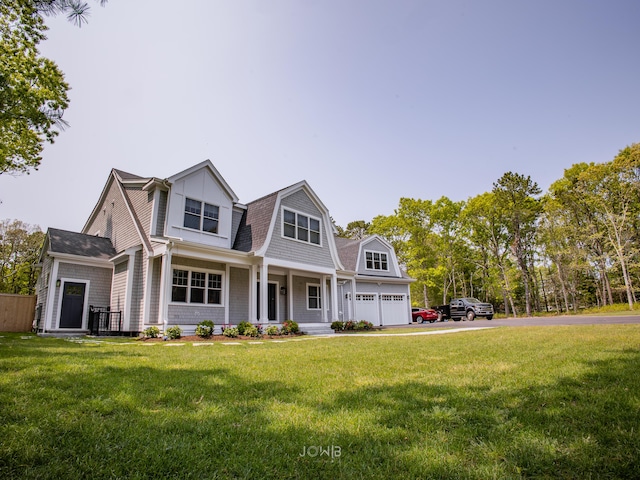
point(128, 291)
point(309, 217)
point(373, 252)
point(81, 260)
point(51, 293)
point(227, 292)
point(190, 271)
point(320, 292)
point(301, 267)
point(85, 305)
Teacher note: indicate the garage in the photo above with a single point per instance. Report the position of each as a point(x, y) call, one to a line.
point(385, 309)
point(394, 310)
point(367, 308)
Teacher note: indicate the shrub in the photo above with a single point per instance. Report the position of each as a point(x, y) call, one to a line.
point(231, 332)
point(364, 325)
point(242, 326)
point(151, 332)
point(205, 329)
point(337, 326)
point(251, 331)
point(289, 326)
point(350, 325)
point(272, 330)
point(174, 332)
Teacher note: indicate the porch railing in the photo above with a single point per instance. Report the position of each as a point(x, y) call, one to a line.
point(102, 321)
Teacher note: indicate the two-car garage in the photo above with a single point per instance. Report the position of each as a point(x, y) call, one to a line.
point(382, 309)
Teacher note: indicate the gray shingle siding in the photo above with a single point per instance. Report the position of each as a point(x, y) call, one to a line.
point(114, 221)
point(142, 203)
point(300, 312)
point(238, 295)
point(99, 284)
point(193, 314)
point(162, 213)
point(119, 286)
point(390, 288)
point(137, 292)
point(296, 251)
point(196, 264)
point(376, 245)
point(154, 301)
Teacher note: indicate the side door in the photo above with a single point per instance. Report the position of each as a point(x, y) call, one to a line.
point(72, 310)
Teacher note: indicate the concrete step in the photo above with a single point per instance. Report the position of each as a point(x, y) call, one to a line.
point(316, 329)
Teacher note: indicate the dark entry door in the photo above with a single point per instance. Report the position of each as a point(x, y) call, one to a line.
point(271, 291)
point(72, 305)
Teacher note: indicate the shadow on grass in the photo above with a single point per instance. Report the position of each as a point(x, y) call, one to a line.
point(204, 421)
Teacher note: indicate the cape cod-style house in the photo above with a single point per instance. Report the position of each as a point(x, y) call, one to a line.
point(181, 250)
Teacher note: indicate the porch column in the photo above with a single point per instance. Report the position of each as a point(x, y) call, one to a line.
point(334, 298)
point(166, 279)
point(325, 304)
point(264, 293)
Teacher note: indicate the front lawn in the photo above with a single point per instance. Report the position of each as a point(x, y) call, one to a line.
point(531, 402)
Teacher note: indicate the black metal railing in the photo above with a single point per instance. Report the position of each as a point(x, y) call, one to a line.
point(102, 321)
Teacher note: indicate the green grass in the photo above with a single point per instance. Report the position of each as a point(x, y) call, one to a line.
point(531, 402)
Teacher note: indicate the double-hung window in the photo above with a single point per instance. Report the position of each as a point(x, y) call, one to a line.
point(377, 261)
point(196, 287)
point(201, 215)
point(301, 227)
point(314, 300)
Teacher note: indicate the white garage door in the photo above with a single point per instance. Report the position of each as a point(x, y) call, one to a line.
point(367, 308)
point(394, 310)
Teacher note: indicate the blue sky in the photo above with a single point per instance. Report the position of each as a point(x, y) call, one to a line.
point(369, 101)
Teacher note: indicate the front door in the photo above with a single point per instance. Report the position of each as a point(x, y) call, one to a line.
point(72, 305)
point(272, 312)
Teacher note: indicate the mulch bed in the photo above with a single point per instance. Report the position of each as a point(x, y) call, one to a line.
point(221, 338)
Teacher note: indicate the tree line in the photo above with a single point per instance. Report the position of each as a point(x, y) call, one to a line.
point(574, 246)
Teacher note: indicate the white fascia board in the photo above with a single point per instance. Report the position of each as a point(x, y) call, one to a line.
point(203, 252)
point(80, 260)
point(127, 253)
point(397, 280)
point(297, 266)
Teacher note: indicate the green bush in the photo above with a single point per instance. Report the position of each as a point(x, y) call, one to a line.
point(289, 326)
point(272, 330)
point(364, 325)
point(350, 325)
point(174, 332)
point(205, 329)
point(242, 326)
point(151, 332)
point(251, 331)
point(231, 332)
point(337, 326)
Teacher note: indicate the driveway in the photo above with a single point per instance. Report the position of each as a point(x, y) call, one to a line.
point(534, 321)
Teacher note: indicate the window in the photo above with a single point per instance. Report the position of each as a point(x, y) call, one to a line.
point(313, 297)
point(196, 287)
point(201, 216)
point(376, 261)
point(301, 227)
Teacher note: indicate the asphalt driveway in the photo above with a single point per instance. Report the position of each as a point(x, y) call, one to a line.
point(534, 321)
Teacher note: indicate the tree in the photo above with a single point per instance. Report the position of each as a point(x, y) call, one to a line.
point(33, 93)
point(358, 229)
point(20, 246)
point(516, 193)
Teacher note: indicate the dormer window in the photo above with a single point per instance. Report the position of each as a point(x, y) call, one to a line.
point(201, 216)
point(377, 261)
point(301, 227)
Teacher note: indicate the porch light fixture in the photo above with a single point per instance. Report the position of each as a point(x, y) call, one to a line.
point(283, 290)
point(57, 283)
